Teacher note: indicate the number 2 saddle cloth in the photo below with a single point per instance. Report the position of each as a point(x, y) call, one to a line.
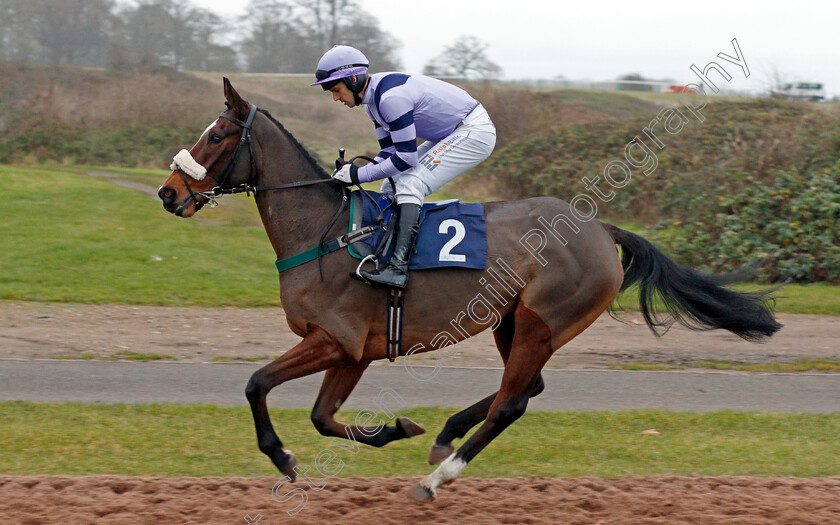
point(452, 233)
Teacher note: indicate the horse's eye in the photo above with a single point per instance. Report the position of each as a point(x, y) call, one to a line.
point(214, 139)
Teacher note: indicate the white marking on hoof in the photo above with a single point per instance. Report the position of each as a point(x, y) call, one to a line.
point(447, 471)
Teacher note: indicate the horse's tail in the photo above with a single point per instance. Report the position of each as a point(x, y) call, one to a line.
point(695, 300)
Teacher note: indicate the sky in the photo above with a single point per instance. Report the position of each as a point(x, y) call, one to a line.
point(601, 40)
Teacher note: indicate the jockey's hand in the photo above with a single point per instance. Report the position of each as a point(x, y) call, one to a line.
point(348, 174)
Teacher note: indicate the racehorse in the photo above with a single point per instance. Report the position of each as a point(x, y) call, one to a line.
point(559, 290)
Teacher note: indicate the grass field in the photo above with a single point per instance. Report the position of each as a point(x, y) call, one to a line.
point(73, 238)
point(171, 440)
point(800, 365)
point(69, 237)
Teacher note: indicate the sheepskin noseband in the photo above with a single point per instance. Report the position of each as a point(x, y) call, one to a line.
point(186, 163)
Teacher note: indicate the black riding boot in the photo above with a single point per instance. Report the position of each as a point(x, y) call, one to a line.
point(395, 274)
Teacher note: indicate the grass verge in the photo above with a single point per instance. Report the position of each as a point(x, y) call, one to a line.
point(172, 440)
point(800, 365)
point(814, 299)
point(68, 237)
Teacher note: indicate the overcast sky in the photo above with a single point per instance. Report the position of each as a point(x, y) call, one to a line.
point(600, 40)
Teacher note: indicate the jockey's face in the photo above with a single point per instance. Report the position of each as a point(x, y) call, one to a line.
point(341, 92)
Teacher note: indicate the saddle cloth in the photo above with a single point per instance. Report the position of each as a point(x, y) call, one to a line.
point(452, 233)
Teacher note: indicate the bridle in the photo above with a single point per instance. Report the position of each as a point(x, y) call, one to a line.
point(246, 187)
point(234, 160)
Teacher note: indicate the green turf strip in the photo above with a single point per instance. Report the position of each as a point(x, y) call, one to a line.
point(800, 365)
point(171, 440)
point(68, 237)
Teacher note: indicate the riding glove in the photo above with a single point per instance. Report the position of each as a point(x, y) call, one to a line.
point(348, 174)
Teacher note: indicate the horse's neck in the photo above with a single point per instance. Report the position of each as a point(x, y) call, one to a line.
point(294, 218)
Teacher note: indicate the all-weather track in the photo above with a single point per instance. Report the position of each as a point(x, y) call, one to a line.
point(30, 332)
point(636, 500)
point(566, 390)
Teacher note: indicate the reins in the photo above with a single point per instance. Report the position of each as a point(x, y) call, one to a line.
point(245, 188)
point(248, 188)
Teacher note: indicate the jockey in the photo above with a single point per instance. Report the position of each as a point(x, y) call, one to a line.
point(457, 130)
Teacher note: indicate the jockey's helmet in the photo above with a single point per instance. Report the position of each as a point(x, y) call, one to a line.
point(342, 63)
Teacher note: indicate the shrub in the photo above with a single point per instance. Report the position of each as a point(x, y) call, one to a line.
point(793, 225)
point(699, 165)
point(756, 179)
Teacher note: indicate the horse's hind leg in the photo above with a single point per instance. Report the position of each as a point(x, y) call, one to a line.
point(317, 352)
point(336, 388)
point(459, 424)
point(530, 350)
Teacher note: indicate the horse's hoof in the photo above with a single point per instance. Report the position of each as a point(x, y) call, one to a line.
point(410, 428)
point(440, 452)
point(420, 494)
point(287, 465)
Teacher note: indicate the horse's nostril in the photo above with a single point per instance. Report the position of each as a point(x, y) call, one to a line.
point(167, 194)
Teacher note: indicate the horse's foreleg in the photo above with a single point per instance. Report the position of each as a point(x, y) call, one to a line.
point(317, 352)
point(337, 385)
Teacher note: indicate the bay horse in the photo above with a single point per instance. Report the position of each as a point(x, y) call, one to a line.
point(559, 291)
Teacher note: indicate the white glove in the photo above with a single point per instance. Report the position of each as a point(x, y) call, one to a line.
point(347, 174)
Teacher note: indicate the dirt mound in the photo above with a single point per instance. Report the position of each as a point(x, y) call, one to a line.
point(638, 500)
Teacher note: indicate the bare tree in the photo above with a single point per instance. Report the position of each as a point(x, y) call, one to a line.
point(204, 51)
point(147, 32)
point(286, 36)
point(275, 35)
point(174, 33)
point(465, 58)
point(274, 38)
point(379, 47)
point(325, 19)
point(47, 31)
point(16, 29)
point(775, 80)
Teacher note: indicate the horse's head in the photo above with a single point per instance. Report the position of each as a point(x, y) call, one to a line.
point(222, 157)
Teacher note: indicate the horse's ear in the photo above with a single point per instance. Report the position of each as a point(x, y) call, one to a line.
point(233, 99)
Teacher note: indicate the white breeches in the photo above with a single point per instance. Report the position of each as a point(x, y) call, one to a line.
point(438, 163)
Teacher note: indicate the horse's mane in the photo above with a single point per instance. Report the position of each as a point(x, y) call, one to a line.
point(306, 155)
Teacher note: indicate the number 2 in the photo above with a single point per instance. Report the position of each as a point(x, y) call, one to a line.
point(460, 232)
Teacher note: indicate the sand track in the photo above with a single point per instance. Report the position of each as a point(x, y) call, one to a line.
point(32, 330)
point(668, 500)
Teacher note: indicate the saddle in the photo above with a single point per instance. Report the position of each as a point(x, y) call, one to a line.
point(452, 233)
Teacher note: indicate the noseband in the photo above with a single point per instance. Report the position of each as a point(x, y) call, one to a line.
point(220, 182)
